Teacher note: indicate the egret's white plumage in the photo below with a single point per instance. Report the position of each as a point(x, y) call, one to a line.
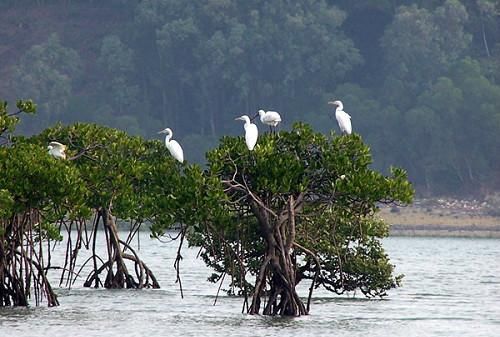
point(271, 118)
point(172, 146)
point(57, 149)
point(342, 117)
point(251, 132)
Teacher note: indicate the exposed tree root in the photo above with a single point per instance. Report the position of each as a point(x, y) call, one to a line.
point(278, 269)
point(115, 269)
point(22, 272)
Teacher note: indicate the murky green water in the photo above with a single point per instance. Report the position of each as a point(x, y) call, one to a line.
point(451, 288)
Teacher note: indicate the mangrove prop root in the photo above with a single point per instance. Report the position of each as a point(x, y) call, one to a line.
point(22, 268)
point(277, 272)
point(115, 269)
point(25, 254)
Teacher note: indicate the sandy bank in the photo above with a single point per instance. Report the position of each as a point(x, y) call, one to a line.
point(435, 219)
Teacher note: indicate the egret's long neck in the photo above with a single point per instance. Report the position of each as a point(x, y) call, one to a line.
point(168, 136)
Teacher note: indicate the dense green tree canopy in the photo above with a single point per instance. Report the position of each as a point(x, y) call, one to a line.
point(195, 65)
point(119, 171)
point(217, 57)
point(300, 206)
point(46, 73)
point(37, 193)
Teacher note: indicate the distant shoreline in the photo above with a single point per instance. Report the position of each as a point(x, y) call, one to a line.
point(435, 219)
point(444, 231)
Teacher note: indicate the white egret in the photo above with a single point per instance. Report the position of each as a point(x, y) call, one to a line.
point(57, 149)
point(172, 146)
point(251, 132)
point(271, 118)
point(342, 117)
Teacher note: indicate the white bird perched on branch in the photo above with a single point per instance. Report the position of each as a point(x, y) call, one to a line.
point(271, 118)
point(342, 117)
point(57, 149)
point(251, 132)
point(172, 146)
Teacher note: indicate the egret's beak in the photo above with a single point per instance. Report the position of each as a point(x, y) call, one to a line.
point(238, 119)
point(162, 131)
point(332, 103)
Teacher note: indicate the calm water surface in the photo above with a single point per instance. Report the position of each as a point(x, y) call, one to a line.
point(451, 288)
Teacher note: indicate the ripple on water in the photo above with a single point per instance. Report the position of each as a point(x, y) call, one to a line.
point(450, 288)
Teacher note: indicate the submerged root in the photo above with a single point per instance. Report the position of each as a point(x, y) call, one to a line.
point(115, 268)
point(149, 280)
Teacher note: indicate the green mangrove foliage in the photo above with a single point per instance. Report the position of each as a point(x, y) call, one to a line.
point(108, 177)
point(37, 194)
point(8, 121)
point(116, 169)
point(300, 206)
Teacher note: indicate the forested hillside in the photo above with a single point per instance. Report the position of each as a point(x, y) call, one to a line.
point(421, 79)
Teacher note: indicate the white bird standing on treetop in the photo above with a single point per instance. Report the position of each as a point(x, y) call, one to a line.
point(342, 117)
point(172, 146)
point(271, 118)
point(57, 149)
point(251, 132)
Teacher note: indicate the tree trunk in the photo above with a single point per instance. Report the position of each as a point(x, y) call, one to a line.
point(122, 276)
point(485, 41)
point(277, 275)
